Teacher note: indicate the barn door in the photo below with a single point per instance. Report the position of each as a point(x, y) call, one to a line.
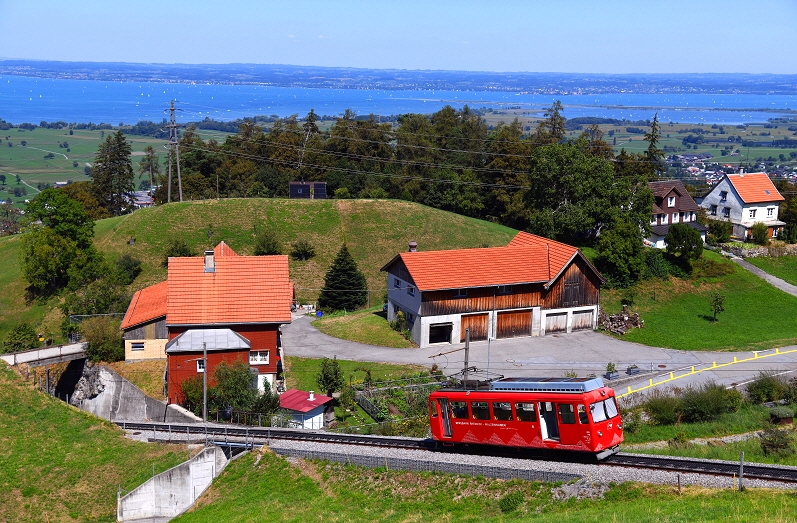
point(513, 324)
point(556, 322)
point(477, 323)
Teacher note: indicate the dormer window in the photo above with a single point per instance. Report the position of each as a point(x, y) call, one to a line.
point(671, 201)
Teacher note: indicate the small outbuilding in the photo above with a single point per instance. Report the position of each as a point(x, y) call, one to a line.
point(306, 408)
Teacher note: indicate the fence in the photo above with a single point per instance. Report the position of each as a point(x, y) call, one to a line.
point(756, 356)
point(390, 463)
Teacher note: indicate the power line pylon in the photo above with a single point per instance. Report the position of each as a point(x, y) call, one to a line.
point(174, 147)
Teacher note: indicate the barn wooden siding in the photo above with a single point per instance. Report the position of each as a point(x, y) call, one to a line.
point(437, 303)
point(154, 330)
point(400, 270)
point(578, 286)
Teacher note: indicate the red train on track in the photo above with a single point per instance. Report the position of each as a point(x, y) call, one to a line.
point(573, 414)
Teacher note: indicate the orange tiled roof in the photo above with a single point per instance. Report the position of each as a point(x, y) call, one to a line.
point(242, 289)
point(147, 304)
point(755, 187)
point(528, 258)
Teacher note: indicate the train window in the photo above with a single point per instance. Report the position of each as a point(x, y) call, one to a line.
point(582, 415)
point(566, 414)
point(597, 411)
point(502, 411)
point(480, 410)
point(432, 409)
point(459, 409)
point(525, 412)
point(611, 407)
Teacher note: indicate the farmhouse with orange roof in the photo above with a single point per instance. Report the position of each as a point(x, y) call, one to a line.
point(745, 199)
point(532, 287)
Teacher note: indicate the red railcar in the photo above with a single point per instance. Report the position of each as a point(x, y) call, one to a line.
point(573, 414)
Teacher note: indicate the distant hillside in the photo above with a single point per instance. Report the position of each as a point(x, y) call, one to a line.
point(374, 230)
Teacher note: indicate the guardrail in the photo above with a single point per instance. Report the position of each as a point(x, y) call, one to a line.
point(756, 356)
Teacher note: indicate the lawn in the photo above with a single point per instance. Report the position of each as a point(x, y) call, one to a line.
point(146, 375)
point(678, 315)
point(301, 372)
point(302, 491)
point(784, 267)
point(60, 464)
point(364, 326)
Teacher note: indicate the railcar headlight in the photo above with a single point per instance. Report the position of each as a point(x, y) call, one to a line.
point(600, 433)
point(620, 426)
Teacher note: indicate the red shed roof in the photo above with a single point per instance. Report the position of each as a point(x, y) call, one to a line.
point(240, 289)
point(299, 400)
point(147, 304)
point(527, 259)
point(755, 187)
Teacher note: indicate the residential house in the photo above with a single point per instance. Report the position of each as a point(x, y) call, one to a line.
point(745, 199)
point(306, 408)
point(226, 305)
point(672, 204)
point(144, 325)
point(532, 287)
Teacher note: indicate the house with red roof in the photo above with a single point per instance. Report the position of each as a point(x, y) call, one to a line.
point(532, 287)
point(222, 304)
point(745, 199)
point(671, 204)
point(144, 325)
point(306, 408)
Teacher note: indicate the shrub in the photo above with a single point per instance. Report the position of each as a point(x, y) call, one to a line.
point(766, 387)
point(266, 243)
point(781, 413)
point(760, 233)
point(21, 337)
point(709, 401)
point(790, 391)
point(656, 265)
point(663, 409)
point(176, 249)
point(129, 268)
point(720, 230)
point(511, 501)
point(302, 250)
point(777, 442)
point(104, 338)
point(680, 440)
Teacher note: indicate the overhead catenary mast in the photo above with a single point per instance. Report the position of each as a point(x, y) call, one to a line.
point(174, 146)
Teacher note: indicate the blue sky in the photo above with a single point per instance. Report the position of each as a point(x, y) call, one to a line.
point(595, 36)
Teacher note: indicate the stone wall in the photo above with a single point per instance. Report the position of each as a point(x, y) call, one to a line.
point(755, 252)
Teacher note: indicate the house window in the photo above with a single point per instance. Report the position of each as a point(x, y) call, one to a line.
point(410, 290)
point(410, 317)
point(137, 346)
point(770, 212)
point(726, 212)
point(200, 365)
point(461, 293)
point(396, 283)
point(675, 217)
point(671, 201)
point(713, 210)
point(258, 357)
point(752, 213)
point(723, 196)
point(504, 289)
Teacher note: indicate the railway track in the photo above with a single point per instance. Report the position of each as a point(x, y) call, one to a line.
point(236, 435)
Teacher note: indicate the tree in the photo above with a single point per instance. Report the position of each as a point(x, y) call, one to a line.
point(302, 250)
point(720, 230)
point(266, 243)
point(654, 155)
point(683, 243)
point(760, 233)
point(177, 248)
point(717, 302)
point(330, 380)
point(621, 257)
point(113, 174)
point(65, 216)
point(104, 338)
point(234, 386)
point(21, 337)
point(345, 287)
point(149, 164)
point(551, 130)
point(45, 258)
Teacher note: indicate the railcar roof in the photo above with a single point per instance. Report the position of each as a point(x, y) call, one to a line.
point(567, 385)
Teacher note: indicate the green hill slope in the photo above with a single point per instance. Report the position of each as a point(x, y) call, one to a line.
point(374, 230)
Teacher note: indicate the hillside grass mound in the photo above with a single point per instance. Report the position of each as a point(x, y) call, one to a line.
point(364, 326)
point(61, 464)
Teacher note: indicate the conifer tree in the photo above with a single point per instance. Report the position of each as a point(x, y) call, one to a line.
point(345, 287)
point(112, 174)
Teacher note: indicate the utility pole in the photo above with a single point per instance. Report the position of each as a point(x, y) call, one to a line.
point(174, 145)
point(204, 382)
point(467, 353)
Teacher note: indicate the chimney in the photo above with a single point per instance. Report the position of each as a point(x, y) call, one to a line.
point(312, 396)
point(210, 262)
point(413, 246)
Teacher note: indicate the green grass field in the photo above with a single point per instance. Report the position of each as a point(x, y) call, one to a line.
point(784, 267)
point(366, 326)
point(677, 313)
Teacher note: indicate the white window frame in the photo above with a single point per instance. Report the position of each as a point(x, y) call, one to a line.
point(726, 212)
point(410, 290)
point(256, 357)
point(770, 212)
point(671, 201)
point(137, 345)
point(200, 365)
point(752, 213)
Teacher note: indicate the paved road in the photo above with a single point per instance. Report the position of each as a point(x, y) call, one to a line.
point(775, 281)
point(553, 355)
point(49, 355)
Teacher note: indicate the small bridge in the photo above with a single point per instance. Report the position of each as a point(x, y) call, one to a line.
point(48, 356)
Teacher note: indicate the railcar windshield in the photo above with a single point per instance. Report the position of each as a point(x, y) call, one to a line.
point(603, 410)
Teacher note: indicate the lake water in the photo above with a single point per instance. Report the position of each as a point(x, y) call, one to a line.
point(32, 100)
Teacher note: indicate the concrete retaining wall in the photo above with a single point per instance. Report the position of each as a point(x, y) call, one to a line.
point(174, 491)
point(107, 395)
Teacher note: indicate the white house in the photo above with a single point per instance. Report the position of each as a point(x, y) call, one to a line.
point(745, 199)
point(306, 408)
